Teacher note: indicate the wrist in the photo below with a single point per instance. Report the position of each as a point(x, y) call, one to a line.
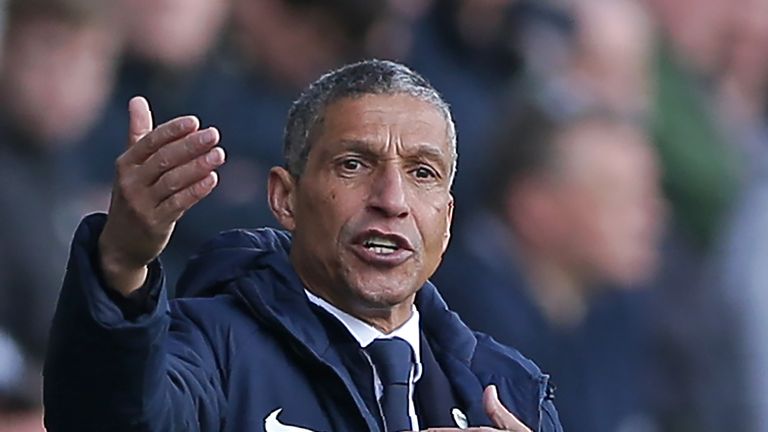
point(119, 273)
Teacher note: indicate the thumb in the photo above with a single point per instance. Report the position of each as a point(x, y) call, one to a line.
point(140, 122)
point(499, 415)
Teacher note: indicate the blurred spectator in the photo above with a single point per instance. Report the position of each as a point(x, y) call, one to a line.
point(743, 78)
point(612, 56)
point(176, 34)
point(597, 54)
point(58, 68)
point(700, 165)
point(743, 256)
point(573, 211)
point(702, 175)
point(58, 64)
point(292, 41)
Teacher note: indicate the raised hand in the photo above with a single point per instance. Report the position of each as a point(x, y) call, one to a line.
point(163, 172)
point(502, 419)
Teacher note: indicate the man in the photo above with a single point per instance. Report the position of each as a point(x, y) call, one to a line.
point(573, 215)
point(330, 327)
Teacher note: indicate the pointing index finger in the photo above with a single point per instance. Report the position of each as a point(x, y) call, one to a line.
point(162, 135)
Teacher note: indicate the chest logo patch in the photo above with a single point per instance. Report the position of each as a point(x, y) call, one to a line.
point(273, 424)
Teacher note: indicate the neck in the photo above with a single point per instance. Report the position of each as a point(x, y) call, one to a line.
point(560, 294)
point(385, 319)
point(366, 304)
point(390, 321)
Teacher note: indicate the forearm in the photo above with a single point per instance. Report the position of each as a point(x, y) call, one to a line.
point(112, 362)
point(98, 361)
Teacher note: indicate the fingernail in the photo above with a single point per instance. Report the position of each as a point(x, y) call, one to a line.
point(207, 136)
point(215, 156)
point(187, 123)
point(209, 180)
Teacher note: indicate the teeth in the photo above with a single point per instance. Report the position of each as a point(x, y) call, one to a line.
point(379, 242)
point(380, 246)
point(382, 250)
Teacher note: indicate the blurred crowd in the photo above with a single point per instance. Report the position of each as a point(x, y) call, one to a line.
point(611, 198)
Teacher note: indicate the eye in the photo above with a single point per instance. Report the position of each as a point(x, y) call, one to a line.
point(351, 164)
point(425, 173)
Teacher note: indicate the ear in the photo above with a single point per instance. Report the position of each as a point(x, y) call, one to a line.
point(281, 189)
point(448, 222)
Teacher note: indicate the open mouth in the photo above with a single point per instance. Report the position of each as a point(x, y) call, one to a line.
point(380, 245)
point(382, 249)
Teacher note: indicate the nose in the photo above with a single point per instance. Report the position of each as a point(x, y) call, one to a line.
point(388, 193)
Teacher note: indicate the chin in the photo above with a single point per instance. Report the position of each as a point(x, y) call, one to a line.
point(383, 291)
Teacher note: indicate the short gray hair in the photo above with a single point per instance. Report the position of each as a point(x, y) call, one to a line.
point(354, 80)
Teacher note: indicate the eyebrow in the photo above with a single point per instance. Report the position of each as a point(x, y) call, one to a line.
point(422, 151)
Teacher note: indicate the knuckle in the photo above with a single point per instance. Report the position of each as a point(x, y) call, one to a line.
point(170, 183)
point(205, 186)
point(201, 139)
point(188, 146)
point(202, 162)
point(178, 127)
point(163, 161)
point(124, 186)
point(120, 165)
point(177, 201)
point(148, 141)
point(197, 191)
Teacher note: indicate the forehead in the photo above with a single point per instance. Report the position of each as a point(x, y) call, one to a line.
point(400, 119)
point(598, 150)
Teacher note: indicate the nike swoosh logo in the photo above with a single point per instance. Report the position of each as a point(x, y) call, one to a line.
point(272, 424)
point(460, 418)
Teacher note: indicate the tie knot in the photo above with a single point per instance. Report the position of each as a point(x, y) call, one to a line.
point(393, 360)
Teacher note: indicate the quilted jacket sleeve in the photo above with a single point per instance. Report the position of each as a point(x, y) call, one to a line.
point(108, 369)
point(550, 422)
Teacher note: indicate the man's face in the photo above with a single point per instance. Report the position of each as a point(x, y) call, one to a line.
point(611, 196)
point(173, 33)
point(58, 76)
point(372, 210)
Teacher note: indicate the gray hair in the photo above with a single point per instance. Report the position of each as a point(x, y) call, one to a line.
point(358, 79)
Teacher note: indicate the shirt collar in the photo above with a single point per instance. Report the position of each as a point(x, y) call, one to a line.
point(364, 333)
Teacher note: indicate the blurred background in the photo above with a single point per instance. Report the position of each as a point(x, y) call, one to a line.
point(612, 194)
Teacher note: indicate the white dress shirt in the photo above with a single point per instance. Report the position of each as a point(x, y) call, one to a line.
point(365, 334)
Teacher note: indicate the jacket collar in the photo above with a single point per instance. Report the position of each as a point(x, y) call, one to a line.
point(254, 266)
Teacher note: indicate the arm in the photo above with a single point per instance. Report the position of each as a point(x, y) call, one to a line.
point(106, 372)
point(110, 370)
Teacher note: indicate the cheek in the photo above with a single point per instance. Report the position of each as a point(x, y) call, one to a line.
point(612, 239)
point(433, 224)
point(324, 211)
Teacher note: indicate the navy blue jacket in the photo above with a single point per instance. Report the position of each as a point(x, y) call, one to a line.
point(243, 349)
